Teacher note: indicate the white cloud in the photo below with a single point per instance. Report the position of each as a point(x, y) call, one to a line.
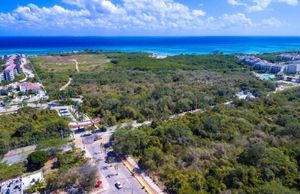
point(103, 14)
point(96, 6)
point(238, 19)
point(234, 2)
point(271, 22)
point(199, 13)
point(153, 16)
point(259, 5)
point(43, 17)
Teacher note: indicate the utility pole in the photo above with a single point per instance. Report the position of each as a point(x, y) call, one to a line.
point(116, 168)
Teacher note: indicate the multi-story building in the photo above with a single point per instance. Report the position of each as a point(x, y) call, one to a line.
point(260, 65)
point(289, 56)
point(293, 68)
point(29, 87)
point(11, 68)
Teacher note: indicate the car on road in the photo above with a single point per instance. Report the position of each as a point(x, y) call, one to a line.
point(119, 185)
point(86, 135)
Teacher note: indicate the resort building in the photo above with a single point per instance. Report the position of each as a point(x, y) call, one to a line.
point(261, 65)
point(30, 87)
point(289, 56)
point(293, 68)
point(11, 68)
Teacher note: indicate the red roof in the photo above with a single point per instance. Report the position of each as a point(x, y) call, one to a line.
point(10, 64)
point(30, 86)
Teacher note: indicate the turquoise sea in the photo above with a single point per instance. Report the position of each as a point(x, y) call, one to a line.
point(157, 45)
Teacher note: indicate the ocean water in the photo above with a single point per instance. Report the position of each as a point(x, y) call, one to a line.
point(157, 45)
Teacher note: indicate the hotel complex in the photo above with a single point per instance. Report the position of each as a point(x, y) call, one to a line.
point(291, 64)
point(261, 65)
point(11, 68)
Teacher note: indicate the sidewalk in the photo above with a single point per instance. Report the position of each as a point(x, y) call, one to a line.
point(143, 179)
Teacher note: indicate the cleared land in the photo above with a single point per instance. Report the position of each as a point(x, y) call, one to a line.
point(60, 68)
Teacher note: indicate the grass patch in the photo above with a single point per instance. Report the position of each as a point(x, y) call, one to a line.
point(12, 171)
point(52, 143)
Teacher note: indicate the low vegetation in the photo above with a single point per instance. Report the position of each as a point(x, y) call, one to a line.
point(30, 126)
point(119, 86)
point(251, 147)
point(11, 171)
point(73, 172)
point(36, 160)
point(55, 142)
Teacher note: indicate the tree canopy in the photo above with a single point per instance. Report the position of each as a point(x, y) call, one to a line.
point(251, 147)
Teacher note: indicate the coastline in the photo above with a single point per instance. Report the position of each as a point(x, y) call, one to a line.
point(153, 45)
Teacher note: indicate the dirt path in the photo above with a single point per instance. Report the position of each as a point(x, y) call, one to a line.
point(65, 86)
point(76, 63)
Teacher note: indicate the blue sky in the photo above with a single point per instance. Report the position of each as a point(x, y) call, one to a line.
point(149, 17)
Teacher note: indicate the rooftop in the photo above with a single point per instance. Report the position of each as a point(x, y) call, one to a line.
point(10, 64)
point(30, 86)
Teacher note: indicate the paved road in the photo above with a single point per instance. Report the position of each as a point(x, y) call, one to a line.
point(112, 172)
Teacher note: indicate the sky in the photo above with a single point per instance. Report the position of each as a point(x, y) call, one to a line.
point(149, 17)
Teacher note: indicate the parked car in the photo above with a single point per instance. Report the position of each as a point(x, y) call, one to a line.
point(118, 185)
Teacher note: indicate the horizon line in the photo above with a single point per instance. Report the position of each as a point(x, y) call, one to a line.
point(144, 36)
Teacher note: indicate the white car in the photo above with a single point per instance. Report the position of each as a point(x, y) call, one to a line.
point(118, 185)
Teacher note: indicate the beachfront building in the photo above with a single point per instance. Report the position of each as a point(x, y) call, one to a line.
point(11, 68)
point(293, 68)
point(289, 56)
point(275, 68)
point(260, 65)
